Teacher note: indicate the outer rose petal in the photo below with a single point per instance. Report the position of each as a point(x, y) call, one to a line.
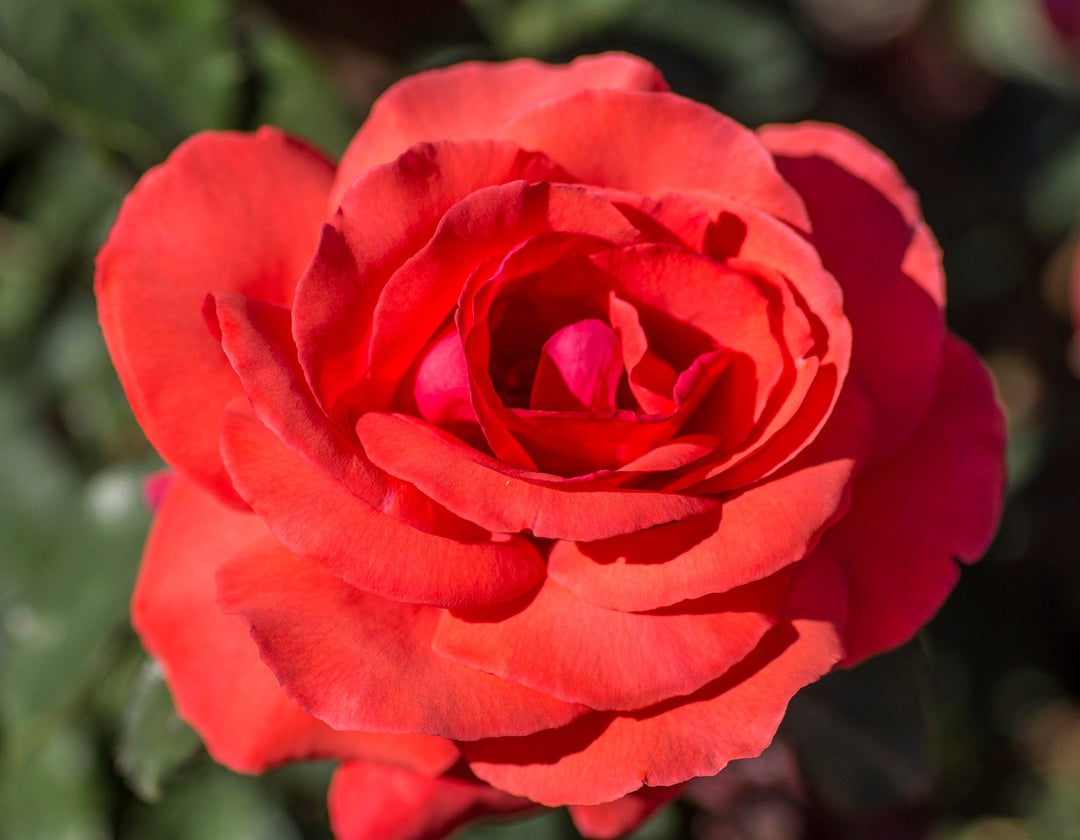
point(869, 231)
point(225, 212)
point(374, 802)
point(655, 143)
point(475, 100)
point(937, 498)
point(601, 757)
point(614, 819)
point(306, 481)
point(753, 534)
point(623, 660)
point(359, 661)
point(255, 337)
point(368, 549)
point(211, 664)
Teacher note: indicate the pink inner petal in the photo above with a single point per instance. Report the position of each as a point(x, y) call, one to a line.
point(441, 388)
point(579, 369)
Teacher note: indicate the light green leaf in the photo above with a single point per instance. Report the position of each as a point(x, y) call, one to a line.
point(296, 93)
point(134, 76)
point(154, 742)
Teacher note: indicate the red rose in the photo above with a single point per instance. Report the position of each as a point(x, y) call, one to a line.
point(546, 448)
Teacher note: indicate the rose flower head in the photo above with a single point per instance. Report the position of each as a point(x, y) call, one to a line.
point(542, 450)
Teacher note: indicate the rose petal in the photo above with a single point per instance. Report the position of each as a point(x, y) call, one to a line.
point(504, 500)
point(552, 280)
point(441, 389)
point(373, 802)
point(489, 223)
point(226, 212)
point(336, 297)
point(212, 666)
point(937, 499)
point(603, 756)
point(358, 661)
point(545, 290)
point(817, 334)
point(869, 231)
point(655, 143)
point(624, 660)
point(474, 101)
point(579, 369)
point(752, 534)
point(729, 307)
point(614, 819)
point(255, 337)
point(651, 379)
point(316, 516)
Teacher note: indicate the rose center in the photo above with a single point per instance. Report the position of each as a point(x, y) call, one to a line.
point(579, 369)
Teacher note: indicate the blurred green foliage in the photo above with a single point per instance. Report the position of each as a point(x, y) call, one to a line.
point(971, 734)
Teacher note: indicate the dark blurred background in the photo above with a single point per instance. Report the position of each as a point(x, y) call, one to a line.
point(971, 732)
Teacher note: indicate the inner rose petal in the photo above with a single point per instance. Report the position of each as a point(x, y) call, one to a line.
point(441, 387)
point(651, 379)
point(579, 369)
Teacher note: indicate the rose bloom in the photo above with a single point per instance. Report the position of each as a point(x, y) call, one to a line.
point(540, 452)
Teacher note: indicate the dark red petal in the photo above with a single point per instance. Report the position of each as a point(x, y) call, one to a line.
point(614, 819)
point(474, 101)
point(225, 212)
point(315, 516)
point(752, 534)
point(505, 500)
point(373, 802)
point(210, 662)
point(386, 216)
point(358, 661)
point(937, 499)
point(604, 756)
point(607, 659)
point(656, 143)
point(868, 228)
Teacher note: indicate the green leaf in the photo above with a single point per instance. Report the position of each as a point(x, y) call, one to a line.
point(154, 742)
point(58, 203)
point(295, 91)
point(542, 27)
point(762, 66)
point(861, 734)
point(547, 825)
point(1053, 191)
point(56, 793)
point(212, 804)
point(1013, 38)
point(134, 76)
point(65, 613)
